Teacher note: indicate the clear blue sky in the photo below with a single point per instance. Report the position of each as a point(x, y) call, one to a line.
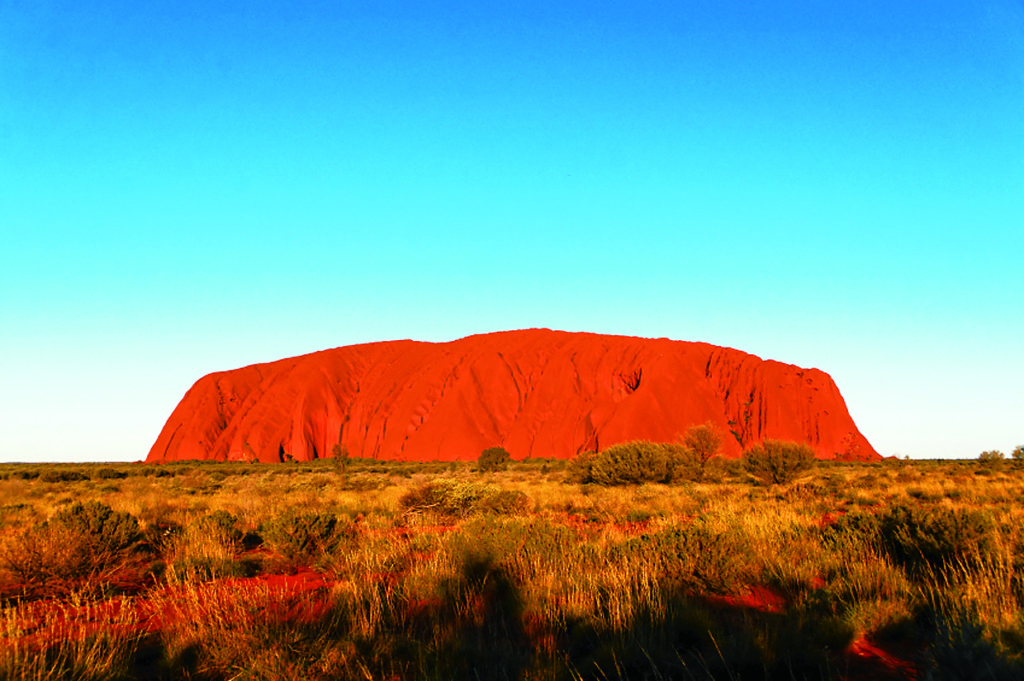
point(194, 186)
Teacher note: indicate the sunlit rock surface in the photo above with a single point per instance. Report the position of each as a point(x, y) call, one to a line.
point(536, 392)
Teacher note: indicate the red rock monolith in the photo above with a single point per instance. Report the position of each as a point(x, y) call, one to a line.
point(537, 393)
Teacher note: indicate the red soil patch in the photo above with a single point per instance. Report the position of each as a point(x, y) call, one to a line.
point(759, 598)
point(302, 598)
point(830, 517)
point(283, 597)
point(868, 661)
point(862, 660)
point(538, 393)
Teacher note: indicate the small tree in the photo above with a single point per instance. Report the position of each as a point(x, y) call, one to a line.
point(778, 461)
point(493, 459)
point(340, 454)
point(993, 458)
point(1018, 454)
point(700, 444)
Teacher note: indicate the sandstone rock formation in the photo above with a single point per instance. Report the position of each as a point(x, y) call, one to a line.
point(538, 393)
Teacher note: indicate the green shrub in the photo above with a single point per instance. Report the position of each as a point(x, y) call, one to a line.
point(1018, 453)
point(108, 530)
point(993, 458)
point(225, 525)
point(110, 474)
point(935, 537)
point(459, 499)
point(504, 502)
point(960, 650)
point(530, 542)
point(493, 459)
point(629, 463)
point(306, 537)
point(778, 461)
point(700, 444)
point(697, 558)
point(82, 543)
point(63, 476)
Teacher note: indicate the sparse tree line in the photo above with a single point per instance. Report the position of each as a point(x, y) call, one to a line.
point(688, 459)
point(994, 458)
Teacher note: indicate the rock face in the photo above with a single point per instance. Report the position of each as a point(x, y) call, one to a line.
point(538, 393)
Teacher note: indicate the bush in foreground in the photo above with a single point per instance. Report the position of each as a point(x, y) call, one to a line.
point(307, 537)
point(80, 544)
point(778, 461)
point(919, 537)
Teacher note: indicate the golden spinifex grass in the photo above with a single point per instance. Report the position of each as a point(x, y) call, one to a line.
point(438, 571)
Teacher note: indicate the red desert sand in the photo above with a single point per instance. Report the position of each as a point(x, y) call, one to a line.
point(537, 393)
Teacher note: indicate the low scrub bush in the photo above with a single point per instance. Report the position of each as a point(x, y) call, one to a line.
point(208, 548)
point(307, 537)
point(458, 499)
point(63, 476)
point(629, 463)
point(106, 529)
point(224, 526)
point(778, 461)
point(80, 546)
point(525, 543)
point(960, 649)
point(110, 474)
point(493, 459)
point(696, 557)
point(504, 502)
point(917, 537)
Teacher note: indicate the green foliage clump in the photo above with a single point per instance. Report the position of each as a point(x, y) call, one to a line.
point(919, 537)
point(629, 463)
point(224, 526)
point(307, 537)
point(83, 542)
point(63, 476)
point(992, 458)
point(1018, 453)
point(504, 502)
point(700, 444)
point(961, 648)
point(110, 474)
point(778, 461)
point(493, 459)
point(696, 557)
point(458, 499)
point(528, 541)
point(860, 527)
point(105, 529)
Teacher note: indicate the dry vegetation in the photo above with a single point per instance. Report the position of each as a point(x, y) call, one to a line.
point(439, 571)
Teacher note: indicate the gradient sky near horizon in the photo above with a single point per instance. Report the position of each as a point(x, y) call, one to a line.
point(190, 186)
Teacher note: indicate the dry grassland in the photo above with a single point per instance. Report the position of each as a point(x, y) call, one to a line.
point(435, 571)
